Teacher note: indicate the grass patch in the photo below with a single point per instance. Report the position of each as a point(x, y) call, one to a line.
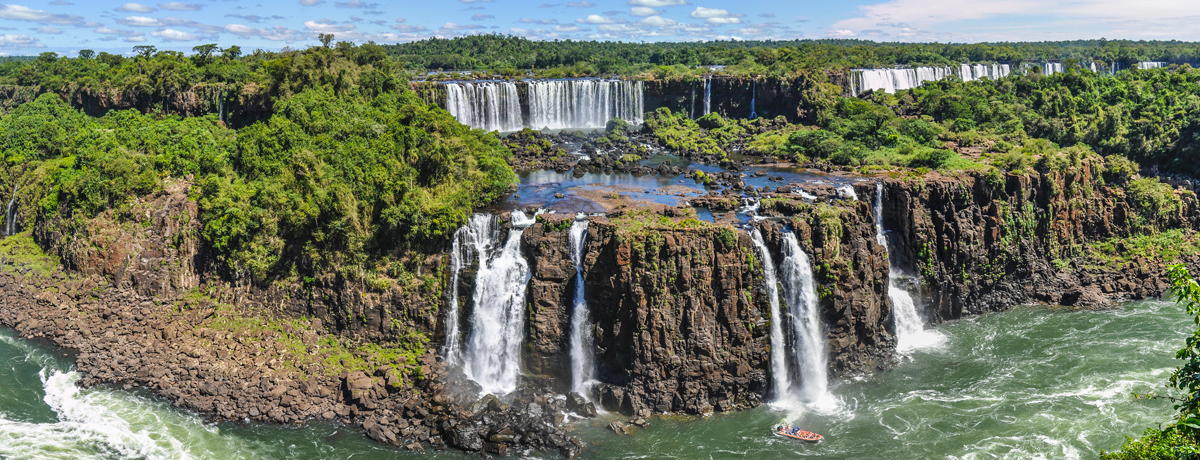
point(1167, 246)
point(20, 250)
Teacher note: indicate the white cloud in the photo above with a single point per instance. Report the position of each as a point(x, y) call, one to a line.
point(536, 21)
point(401, 20)
point(720, 21)
point(276, 33)
point(658, 21)
point(409, 29)
point(482, 17)
point(658, 3)
point(49, 30)
point(569, 28)
point(136, 8)
point(173, 35)
point(116, 32)
point(583, 4)
point(453, 26)
point(24, 13)
point(311, 2)
point(355, 4)
point(842, 33)
point(19, 41)
point(139, 21)
point(177, 6)
point(643, 11)
point(707, 13)
point(327, 26)
point(598, 19)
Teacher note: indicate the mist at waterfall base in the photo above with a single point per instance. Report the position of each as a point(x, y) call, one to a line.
point(1027, 383)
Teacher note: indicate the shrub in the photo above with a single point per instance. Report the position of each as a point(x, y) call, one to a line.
point(931, 158)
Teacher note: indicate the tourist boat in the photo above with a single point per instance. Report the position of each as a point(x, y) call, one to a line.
point(803, 435)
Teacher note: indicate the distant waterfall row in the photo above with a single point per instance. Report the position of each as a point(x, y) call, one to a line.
point(551, 104)
point(892, 80)
point(896, 79)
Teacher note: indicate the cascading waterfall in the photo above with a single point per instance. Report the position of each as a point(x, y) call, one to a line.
point(584, 104)
point(1151, 65)
point(708, 95)
point(753, 95)
point(582, 368)
point(692, 109)
point(480, 234)
point(490, 106)
point(910, 328)
point(972, 72)
point(892, 80)
point(798, 355)
point(10, 215)
point(492, 349)
point(780, 375)
point(808, 338)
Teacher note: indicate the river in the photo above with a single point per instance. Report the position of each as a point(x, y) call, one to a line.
point(1030, 382)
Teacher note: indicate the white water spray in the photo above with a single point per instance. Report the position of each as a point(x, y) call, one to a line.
point(582, 367)
point(807, 334)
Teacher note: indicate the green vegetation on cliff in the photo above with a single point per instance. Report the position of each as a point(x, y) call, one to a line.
point(339, 177)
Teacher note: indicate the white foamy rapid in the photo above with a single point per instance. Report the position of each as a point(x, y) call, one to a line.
point(910, 328)
point(100, 424)
point(582, 367)
point(846, 192)
point(492, 357)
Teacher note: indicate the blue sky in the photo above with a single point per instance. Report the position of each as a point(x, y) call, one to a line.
point(66, 26)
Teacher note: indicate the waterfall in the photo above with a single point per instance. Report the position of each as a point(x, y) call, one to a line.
point(10, 215)
point(490, 106)
point(807, 335)
point(910, 328)
point(708, 96)
point(581, 328)
point(493, 345)
point(779, 366)
point(892, 80)
point(798, 354)
point(972, 72)
point(692, 110)
point(753, 95)
point(584, 104)
point(1151, 65)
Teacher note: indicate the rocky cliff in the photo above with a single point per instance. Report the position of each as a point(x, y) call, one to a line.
point(1060, 236)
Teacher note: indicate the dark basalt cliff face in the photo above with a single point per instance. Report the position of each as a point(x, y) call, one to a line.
point(730, 96)
point(682, 316)
point(986, 245)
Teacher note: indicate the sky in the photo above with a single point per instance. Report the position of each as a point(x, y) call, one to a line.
point(66, 26)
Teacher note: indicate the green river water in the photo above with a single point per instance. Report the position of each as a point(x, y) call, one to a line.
point(1027, 383)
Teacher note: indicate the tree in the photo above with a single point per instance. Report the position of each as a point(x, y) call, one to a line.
point(1187, 376)
point(325, 39)
point(233, 52)
point(145, 51)
point(204, 52)
point(86, 54)
point(48, 56)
